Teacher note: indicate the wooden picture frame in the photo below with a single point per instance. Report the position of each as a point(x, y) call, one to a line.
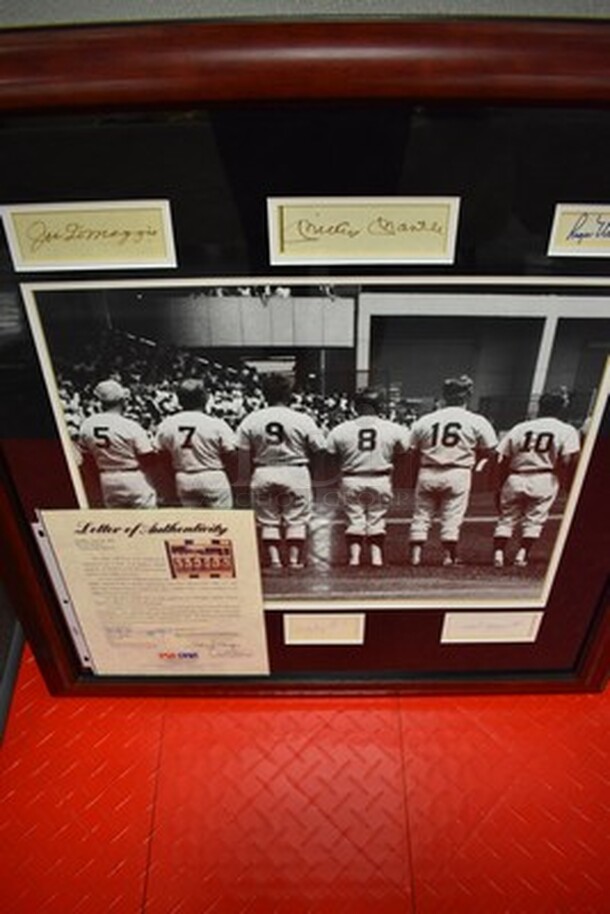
point(505, 84)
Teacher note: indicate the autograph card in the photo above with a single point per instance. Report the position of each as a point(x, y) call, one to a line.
point(366, 230)
point(86, 236)
point(580, 230)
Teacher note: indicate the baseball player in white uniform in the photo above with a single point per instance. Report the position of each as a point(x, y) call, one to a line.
point(200, 448)
point(448, 443)
point(279, 442)
point(366, 448)
point(121, 449)
point(535, 457)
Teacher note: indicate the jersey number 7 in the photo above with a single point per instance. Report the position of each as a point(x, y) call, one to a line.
point(189, 431)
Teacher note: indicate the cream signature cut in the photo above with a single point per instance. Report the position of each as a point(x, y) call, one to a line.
point(90, 235)
point(580, 230)
point(371, 230)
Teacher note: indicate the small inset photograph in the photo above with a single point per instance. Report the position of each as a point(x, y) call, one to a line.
point(201, 559)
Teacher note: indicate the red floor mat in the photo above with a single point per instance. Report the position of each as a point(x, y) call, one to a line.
point(281, 806)
point(415, 805)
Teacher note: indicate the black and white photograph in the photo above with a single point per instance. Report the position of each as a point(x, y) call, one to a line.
point(400, 445)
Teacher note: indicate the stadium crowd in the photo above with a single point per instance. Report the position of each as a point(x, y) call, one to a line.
point(152, 372)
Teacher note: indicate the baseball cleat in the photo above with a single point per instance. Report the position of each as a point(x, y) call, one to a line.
point(355, 554)
point(376, 557)
point(498, 559)
point(274, 556)
point(521, 558)
point(449, 561)
point(416, 555)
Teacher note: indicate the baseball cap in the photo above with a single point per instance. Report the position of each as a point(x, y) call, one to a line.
point(369, 396)
point(277, 386)
point(191, 386)
point(457, 387)
point(110, 391)
point(554, 402)
point(191, 393)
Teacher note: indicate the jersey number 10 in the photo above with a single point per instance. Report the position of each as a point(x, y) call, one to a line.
point(539, 442)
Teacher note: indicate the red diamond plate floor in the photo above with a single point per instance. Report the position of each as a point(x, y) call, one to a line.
point(420, 806)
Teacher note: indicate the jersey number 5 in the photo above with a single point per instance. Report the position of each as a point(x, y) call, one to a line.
point(101, 433)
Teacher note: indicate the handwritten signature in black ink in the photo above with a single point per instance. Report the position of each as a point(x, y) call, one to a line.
point(40, 234)
point(589, 226)
point(309, 230)
point(383, 226)
point(222, 648)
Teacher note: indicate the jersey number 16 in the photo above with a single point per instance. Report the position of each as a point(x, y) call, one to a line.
point(448, 435)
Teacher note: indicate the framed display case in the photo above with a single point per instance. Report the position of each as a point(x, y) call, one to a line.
point(305, 342)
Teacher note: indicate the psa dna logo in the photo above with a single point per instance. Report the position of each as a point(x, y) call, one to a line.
point(178, 655)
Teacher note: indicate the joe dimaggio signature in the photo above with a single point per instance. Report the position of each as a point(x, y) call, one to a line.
point(40, 234)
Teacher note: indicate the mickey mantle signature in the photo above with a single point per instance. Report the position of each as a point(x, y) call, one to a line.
point(312, 231)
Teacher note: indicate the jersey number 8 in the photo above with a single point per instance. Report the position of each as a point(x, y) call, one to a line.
point(367, 439)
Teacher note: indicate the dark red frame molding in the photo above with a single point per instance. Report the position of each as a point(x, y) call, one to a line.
point(180, 63)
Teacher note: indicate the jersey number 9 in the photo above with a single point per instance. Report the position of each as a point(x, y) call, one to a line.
point(275, 432)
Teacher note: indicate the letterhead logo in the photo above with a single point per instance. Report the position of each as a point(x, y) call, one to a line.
point(178, 655)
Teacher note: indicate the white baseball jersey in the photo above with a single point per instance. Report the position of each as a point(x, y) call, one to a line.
point(114, 441)
point(279, 436)
point(451, 437)
point(538, 445)
point(367, 444)
point(195, 441)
